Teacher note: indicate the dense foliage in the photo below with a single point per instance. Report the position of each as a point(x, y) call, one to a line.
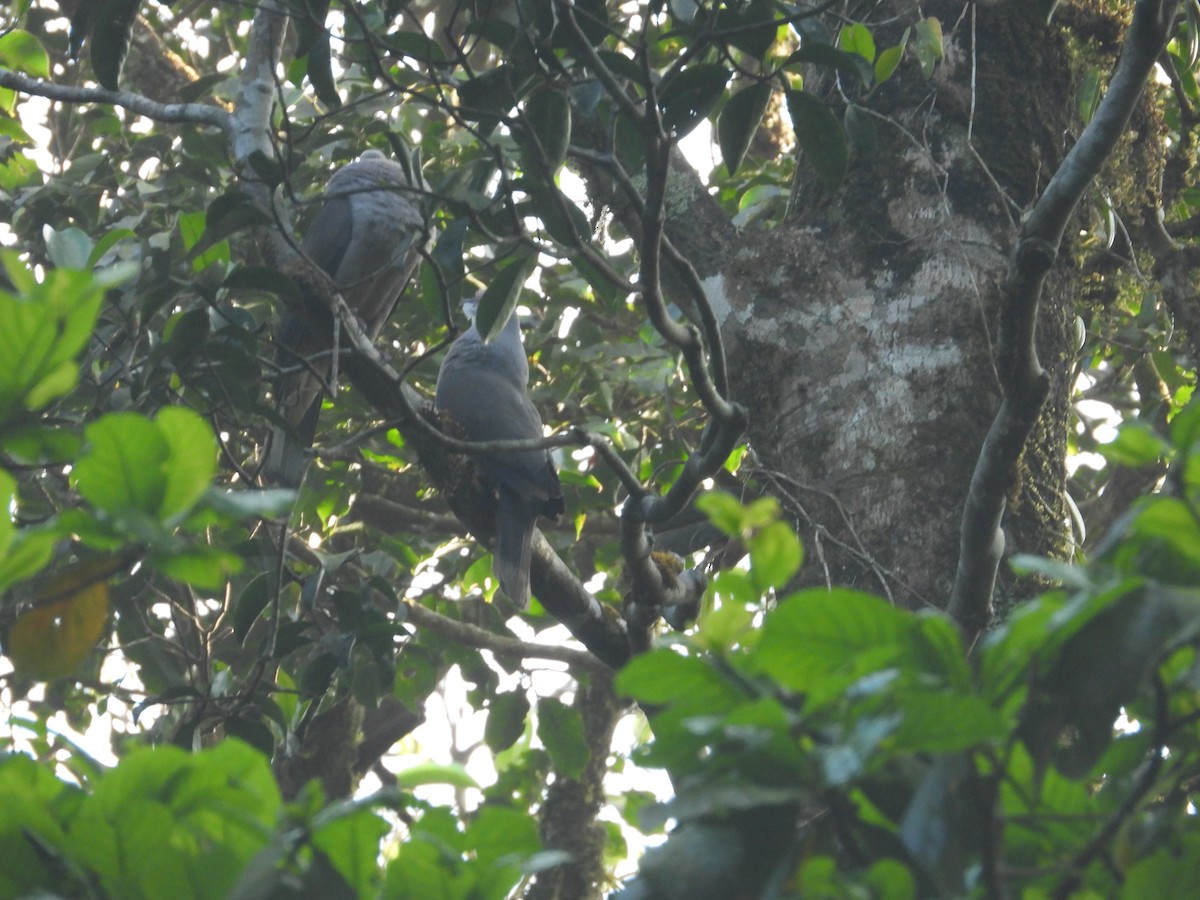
point(253, 653)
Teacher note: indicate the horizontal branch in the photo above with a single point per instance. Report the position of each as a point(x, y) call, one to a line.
point(168, 113)
point(481, 639)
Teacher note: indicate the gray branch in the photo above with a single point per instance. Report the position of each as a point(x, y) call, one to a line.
point(169, 113)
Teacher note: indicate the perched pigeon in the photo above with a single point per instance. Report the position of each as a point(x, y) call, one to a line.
point(367, 235)
point(484, 388)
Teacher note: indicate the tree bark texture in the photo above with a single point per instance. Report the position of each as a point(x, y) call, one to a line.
point(860, 333)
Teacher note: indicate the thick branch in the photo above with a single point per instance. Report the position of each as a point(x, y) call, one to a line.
point(169, 113)
point(1023, 381)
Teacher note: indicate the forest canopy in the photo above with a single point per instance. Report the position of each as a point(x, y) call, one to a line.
point(863, 433)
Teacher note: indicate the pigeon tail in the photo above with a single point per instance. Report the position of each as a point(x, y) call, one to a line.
point(515, 519)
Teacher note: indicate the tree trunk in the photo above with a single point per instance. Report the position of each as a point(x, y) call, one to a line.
point(860, 333)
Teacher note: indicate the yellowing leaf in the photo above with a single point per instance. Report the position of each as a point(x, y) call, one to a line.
point(51, 640)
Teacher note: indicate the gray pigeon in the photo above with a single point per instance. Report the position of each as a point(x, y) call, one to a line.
point(483, 387)
point(367, 235)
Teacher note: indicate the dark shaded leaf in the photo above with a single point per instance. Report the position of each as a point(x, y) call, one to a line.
point(560, 729)
point(821, 137)
point(501, 296)
point(692, 95)
point(548, 115)
point(738, 122)
point(506, 719)
point(110, 39)
point(319, 69)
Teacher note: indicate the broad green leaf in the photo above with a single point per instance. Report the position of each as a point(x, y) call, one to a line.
point(691, 96)
point(22, 52)
point(499, 300)
point(857, 39)
point(124, 467)
point(775, 555)
point(849, 63)
point(927, 44)
point(1136, 444)
point(734, 518)
point(69, 248)
point(548, 115)
point(738, 122)
point(887, 63)
point(488, 97)
point(1072, 707)
point(816, 634)
point(507, 713)
point(560, 729)
point(193, 459)
point(821, 137)
point(40, 335)
point(200, 566)
point(498, 832)
point(668, 678)
point(351, 843)
point(941, 722)
point(628, 143)
point(890, 879)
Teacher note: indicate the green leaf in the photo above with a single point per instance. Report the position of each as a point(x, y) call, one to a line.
point(821, 137)
point(351, 843)
point(628, 143)
point(500, 298)
point(738, 122)
point(818, 53)
point(691, 96)
point(565, 222)
point(40, 335)
point(857, 39)
point(752, 29)
point(927, 44)
point(319, 68)
point(666, 677)
point(452, 774)
point(498, 832)
point(69, 248)
point(123, 468)
point(110, 39)
point(890, 879)
point(193, 454)
point(506, 719)
point(488, 97)
point(888, 62)
point(560, 729)
point(548, 117)
point(817, 634)
point(1136, 444)
point(1071, 710)
point(775, 555)
point(416, 45)
point(22, 52)
point(940, 722)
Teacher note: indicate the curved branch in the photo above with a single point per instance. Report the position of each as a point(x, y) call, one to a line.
point(1023, 380)
point(168, 113)
point(474, 636)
